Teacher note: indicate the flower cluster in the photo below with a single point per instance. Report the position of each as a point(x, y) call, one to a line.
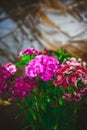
point(72, 77)
point(43, 66)
point(22, 86)
point(4, 76)
point(29, 51)
point(49, 90)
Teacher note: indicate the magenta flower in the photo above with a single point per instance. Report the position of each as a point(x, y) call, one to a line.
point(5, 74)
point(4, 77)
point(42, 66)
point(3, 86)
point(45, 52)
point(11, 68)
point(22, 86)
point(29, 51)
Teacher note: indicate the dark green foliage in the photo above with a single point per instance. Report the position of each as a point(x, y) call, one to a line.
point(61, 55)
point(44, 109)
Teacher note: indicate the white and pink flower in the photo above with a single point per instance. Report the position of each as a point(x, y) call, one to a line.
point(10, 67)
point(72, 77)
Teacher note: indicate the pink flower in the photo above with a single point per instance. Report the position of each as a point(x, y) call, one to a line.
point(22, 86)
point(73, 62)
point(62, 76)
point(59, 77)
point(29, 51)
point(3, 86)
point(42, 66)
point(80, 74)
point(68, 97)
point(4, 77)
point(65, 83)
point(73, 79)
point(45, 52)
point(77, 96)
point(11, 68)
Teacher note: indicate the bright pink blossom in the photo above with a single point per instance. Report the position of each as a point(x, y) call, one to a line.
point(29, 51)
point(22, 86)
point(4, 77)
point(42, 66)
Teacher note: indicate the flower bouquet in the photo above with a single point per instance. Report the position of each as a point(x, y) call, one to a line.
point(48, 92)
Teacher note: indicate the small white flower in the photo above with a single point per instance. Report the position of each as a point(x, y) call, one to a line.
point(84, 63)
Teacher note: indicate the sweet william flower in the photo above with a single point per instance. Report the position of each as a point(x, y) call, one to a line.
point(10, 67)
point(73, 62)
point(3, 86)
point(80, 74)
point(43, 66)
point(29, 51)
point(73, 79)
point(22, 86)
point(5, 75)
point(68, 97)
point(59, 77)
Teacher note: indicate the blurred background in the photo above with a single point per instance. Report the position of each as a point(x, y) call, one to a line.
point(42, 23)
point(50, 24)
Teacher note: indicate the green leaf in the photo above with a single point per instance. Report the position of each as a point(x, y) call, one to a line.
point(20, 105)
point(25, 59)
point(61, 101)
point(19, 113)
point(33, 114)
point(80, 84)
point(48, 100)
point(27, 126)
point(22, 123)
point(62, 54)
point(71, 89)
point(20, 63)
